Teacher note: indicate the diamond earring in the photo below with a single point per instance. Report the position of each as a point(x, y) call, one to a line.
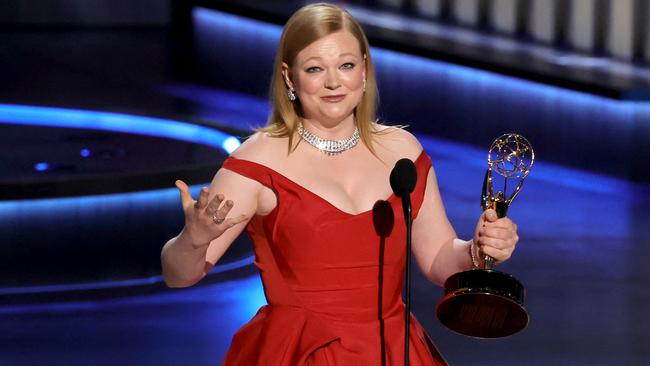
point(292, 94)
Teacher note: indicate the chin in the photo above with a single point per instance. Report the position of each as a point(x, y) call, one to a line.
point(337, 117)
point(338, 114)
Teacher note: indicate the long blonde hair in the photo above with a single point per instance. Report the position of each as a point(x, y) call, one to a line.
point(305, 26)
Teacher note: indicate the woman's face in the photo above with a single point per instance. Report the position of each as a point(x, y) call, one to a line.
point(328, 78)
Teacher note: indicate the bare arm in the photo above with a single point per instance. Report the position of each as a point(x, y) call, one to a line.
point(437, 250)
point(187, 257)
point(436, 247)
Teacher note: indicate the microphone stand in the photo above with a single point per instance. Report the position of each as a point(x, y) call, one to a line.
point(408, 217)
point(403, 179)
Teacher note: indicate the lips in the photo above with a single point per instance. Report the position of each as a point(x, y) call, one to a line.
point(334, 98)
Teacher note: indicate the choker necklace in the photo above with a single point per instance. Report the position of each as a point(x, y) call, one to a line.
point(329, 147)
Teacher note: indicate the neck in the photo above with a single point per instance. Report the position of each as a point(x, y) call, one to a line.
point(335, 131)
point(328, 146)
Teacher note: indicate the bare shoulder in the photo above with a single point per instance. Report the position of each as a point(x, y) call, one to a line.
point(249, 193)
point(398, 141)
point(263, 149)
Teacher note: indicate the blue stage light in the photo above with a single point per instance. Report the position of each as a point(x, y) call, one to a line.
point(219, 268)
point(41, 167)
point(265, 32)
point(230, 144)
point(141, 125)
point(84, 153)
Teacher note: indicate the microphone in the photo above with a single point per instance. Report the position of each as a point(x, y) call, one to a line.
point(403, 178)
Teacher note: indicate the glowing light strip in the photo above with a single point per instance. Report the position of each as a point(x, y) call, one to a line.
point(240, 299)
point(107, 121)
point(219, 268)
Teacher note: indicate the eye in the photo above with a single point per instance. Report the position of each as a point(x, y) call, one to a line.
point(312, 69)
point(348, 66)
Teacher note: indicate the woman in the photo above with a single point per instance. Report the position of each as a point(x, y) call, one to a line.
point(312, 191)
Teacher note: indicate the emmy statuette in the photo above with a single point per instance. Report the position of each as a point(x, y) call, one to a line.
point(483, 302)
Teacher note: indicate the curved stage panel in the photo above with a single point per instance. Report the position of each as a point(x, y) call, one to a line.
point(89, 200)
point(65, 152)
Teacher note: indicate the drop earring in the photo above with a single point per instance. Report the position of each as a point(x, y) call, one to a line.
point(364, 85)
point(291, 93)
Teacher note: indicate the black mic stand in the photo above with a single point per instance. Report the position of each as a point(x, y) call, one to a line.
point(406, 205)
point(403, 178)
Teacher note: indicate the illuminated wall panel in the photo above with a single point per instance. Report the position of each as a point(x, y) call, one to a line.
point(582, 25)
point(466, 11)
point(619, 41)
point(543, 20)
point(504, 15)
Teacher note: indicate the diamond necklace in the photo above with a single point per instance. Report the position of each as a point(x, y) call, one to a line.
point(329, 147)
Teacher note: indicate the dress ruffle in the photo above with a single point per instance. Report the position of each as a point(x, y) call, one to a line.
point(278, 335)
point(291, 336)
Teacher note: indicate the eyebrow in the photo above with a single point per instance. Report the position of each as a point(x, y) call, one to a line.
point(320, 58)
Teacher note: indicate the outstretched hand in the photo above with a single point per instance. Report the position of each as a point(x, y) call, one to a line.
point(206, 220)
point(494, 236)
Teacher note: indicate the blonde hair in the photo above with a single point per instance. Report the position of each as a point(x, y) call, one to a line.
point(306, 26)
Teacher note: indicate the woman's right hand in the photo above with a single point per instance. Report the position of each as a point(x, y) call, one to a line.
point(206, 220)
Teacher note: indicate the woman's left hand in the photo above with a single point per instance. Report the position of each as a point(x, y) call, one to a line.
point(494, 236)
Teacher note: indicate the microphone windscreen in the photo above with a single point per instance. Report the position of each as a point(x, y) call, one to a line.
point(403, 177)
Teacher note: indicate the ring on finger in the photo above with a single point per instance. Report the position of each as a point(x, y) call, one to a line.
point(216, 219)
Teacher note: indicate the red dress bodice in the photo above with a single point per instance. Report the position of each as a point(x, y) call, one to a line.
point(332, 280)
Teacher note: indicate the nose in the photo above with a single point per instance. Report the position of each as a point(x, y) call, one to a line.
point(332, 80)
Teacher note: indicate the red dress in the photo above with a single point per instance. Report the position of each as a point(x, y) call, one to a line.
point(324, 271)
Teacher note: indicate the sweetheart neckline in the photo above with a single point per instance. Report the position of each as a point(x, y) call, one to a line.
point(392, 196)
